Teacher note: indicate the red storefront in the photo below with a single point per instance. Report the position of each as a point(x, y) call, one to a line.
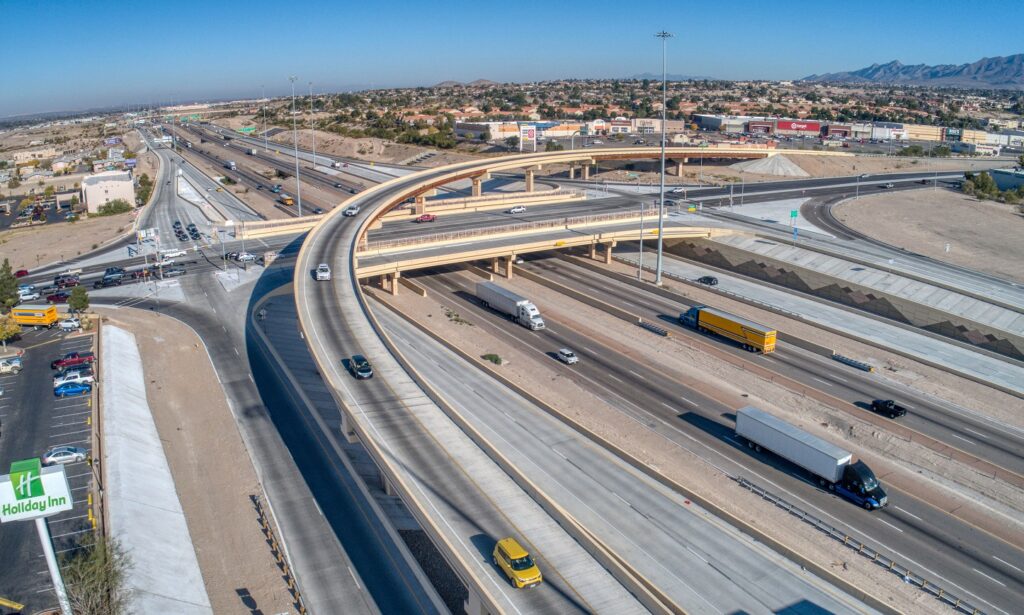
point(757, 127)
point(797, 127)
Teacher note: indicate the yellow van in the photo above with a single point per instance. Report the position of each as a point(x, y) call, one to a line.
point(516, 563)
point(35, 315)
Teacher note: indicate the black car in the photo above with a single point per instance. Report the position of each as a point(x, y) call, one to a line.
point(710, 280)
point(259, 186)
point(888, 408)
point(360, 367)
point(339, 185)
point(318, 210)
point(177, 224)
point(107, 282)
point(182, 237)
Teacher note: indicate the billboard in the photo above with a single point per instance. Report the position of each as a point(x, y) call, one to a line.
point(112, 141)
point(954, 134)
point(130, 163)
point(31, 491)
point(527, 134)
point(798, 125)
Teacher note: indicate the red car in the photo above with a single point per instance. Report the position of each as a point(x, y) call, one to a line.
point(60, 297)
point(427, 218)
point(21, 273)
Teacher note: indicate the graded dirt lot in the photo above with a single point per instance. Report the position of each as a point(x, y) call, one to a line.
point(982, 235)
point(30, 247)
point(212, 472)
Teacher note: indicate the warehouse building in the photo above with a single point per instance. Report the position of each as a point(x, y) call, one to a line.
point(101, 188)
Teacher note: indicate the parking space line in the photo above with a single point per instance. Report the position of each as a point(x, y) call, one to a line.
point(60, 416)
point(89, 529)
point(53, 520)
point(86, 441)
point(86, 486)
point(70, 433)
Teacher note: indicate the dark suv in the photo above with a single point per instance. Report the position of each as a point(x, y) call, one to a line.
point(360, 367)
point(710, 280)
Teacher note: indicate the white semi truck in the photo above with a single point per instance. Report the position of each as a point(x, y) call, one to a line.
point(831, 466)
point(518, 309)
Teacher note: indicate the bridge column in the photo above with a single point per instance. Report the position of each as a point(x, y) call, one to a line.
point(389, 489)
point(495, 265)
point(593, 251)
point(394, 282)
point(572, 170)
point(529, 180)
point(474, 606)
point(586, 172)
point(477, 187)
point(608, 253)
point(346, 429)
point(508, 266)
point(679, 166)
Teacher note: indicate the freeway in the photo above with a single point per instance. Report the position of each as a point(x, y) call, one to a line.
point(454, 482)
point(956, 555)
point(931, 416)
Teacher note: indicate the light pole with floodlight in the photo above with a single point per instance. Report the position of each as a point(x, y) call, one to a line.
point(664, 36)
point(295, 132)
point(312, 121)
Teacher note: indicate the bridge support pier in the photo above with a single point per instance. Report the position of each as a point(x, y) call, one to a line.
point(475, 606)
point(586, 172)
point(477, 186)
point(572, 171)
point(389, 489)
point(347, 431)
point(496, 265)
point(679, 166)
point(529, 180)
point(608, 253)
point(394, 282)
point(508, 266)
point(593, 251)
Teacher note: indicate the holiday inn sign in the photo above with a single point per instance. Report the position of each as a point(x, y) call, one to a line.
point(31, 491)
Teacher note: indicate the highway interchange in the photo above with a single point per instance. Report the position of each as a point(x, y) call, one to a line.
point(977, 564)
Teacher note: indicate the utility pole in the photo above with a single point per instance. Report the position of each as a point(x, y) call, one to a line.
point(265, 145)
point(295, 132)
point(664, 36)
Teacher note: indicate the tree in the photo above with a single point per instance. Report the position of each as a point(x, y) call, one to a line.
point(512, 142)
point(114, 207)
point(8, 329)
point(13, 183)
point(8, 287)
point(95, 577)
point(49, 191)
point(553, 146)
point(79, 299)
point(1020, 161)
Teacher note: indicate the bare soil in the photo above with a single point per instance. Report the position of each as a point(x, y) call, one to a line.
point(686, 466)
point(30, 247)
point(210, 465)
point(981, 235)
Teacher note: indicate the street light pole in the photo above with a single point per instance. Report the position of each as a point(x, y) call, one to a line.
point(266, 148)
point(295, 133)
point(312, 122)
point(664, 36)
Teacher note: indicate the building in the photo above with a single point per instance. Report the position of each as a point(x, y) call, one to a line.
point(1008, 179)
point(884, 131)
point(975, 149)
point(798, 128)
point(838, 131)
point(921, 132)
point(620, 126)
point(39, 153)
point(101, 188)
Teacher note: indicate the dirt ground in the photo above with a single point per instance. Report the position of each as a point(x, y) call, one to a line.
point(211, 468)
point(982, 235)
point(720, 173)
point(30, 247)
point(684, 465)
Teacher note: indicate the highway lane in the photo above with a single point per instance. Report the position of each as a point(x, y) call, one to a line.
point(702, 563)
point(459, 503)
point(931, 416)
point(954, 554)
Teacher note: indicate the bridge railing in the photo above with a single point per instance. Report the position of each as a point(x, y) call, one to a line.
point(391, 244)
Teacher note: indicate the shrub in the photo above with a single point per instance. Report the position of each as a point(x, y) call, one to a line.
point(117, 206)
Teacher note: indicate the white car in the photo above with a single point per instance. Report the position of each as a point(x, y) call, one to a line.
point(323, 272)
point(245, 257)
point(70, 324)
point(518, 209)
point(567, 356)
point(173, 253)
point(64, 454)
point(29, 295)
point(350, 211)
point(598, 142)
point(84, 376)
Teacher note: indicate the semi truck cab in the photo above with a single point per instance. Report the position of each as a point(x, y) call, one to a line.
point(689, 317)
point(859, 485)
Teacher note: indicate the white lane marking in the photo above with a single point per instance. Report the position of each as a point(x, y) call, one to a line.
point(828, 384)
point(613, 377)
point(699, 556)
point(589, 351)
point(236, 352)
point(624, 500)
point(890, 525)
point(687, 400)
point(1007, 563)
point(637, 375)
point(971, 442)
point(988, 577)
point(908, 513)
point(668, 406)
point(840, 378)
point(975, 432)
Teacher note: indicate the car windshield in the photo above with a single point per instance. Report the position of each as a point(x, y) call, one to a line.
point(870, 483)
point(523, 563)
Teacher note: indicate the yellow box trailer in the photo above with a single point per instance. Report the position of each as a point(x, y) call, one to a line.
point(35, 315)
point(751, 335)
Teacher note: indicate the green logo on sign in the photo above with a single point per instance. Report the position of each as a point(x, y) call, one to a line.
point(26, 479)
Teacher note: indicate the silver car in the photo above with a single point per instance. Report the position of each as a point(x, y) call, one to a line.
point(567, 356)
point(64, 454)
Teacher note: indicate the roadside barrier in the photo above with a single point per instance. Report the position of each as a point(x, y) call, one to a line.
point(654, 328)
point(867, 367)
point(863, 549)
point(278, 552)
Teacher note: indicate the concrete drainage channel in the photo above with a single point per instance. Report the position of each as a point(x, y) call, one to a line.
point(862, 549)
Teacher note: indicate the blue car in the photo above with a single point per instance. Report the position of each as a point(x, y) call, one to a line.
point(71, 389)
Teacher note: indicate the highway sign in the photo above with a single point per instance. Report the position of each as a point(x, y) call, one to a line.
point(793, 213)
point(247, 130)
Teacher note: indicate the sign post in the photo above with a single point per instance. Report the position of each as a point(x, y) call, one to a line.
point(31, 491)
point(792, 217)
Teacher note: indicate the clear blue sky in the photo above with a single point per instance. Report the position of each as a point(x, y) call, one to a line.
point(74, 54)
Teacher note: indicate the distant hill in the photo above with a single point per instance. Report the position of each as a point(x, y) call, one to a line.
point(475, 84)
point(1004, 72)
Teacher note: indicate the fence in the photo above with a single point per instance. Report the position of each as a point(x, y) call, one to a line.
point(863, 549)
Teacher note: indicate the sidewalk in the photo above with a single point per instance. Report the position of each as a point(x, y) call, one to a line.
point(143, 508)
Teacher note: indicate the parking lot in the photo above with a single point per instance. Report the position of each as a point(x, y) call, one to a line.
point(34, 421)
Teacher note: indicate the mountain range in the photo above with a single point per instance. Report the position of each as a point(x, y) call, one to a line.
point(1003, 72)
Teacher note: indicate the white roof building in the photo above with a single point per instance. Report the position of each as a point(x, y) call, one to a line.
point(99, 189)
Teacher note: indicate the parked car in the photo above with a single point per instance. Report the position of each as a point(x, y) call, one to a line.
point(516, 563)
point(72, 369)
point(64, 454)
point(72, 389)
point(323, 272)
point(567, 356)
point(710, 280)
point(9, 366)
point(26, 287)
point(351, 210)
point(246, 257)
point(518, 209)
point(73, 358)
point(86, 376)
point(360, 367)
point(70, 324)
point(427, 218)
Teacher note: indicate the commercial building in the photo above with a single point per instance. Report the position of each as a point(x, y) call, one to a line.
point(885, 131)
point(797, 128)
point(921, 132)
point(101, 188)
point(975, 149)
point(652, 126)
point(1008, 179)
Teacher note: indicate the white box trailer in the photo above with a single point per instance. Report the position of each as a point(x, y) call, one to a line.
point(519, 309)
point(810, 452)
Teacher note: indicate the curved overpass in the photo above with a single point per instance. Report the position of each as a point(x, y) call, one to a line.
point(389, 414)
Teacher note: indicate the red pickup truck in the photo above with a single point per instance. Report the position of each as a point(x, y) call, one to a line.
point(73, 358)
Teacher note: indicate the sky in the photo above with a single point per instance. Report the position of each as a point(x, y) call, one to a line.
point(78, 54)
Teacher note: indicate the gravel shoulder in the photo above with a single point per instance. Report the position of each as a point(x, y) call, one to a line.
point(982, 235)
point(211, 468)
